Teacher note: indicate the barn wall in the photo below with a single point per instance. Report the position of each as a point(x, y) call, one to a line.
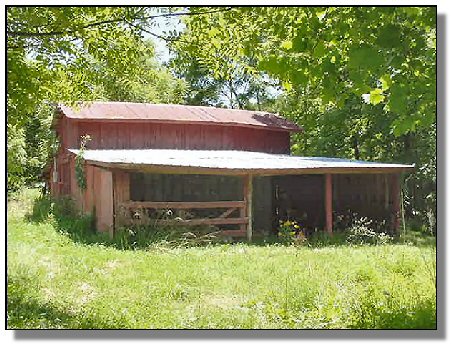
point(161, 187)
point(301, 198)
point(367, 195)
point(141, 135)
point(263, 212)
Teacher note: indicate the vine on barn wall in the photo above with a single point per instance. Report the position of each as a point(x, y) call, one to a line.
point(79, 165)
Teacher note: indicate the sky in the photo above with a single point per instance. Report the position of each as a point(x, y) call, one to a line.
point(161, 26)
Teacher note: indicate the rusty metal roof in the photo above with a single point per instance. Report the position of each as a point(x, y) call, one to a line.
point(232, 162)
point(126, 111)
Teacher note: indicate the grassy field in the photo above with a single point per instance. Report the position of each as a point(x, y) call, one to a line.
point(56, 282)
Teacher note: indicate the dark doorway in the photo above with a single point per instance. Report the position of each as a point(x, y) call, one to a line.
point(300, 198)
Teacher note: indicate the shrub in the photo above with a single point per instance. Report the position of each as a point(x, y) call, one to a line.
point(42, 208)
point(290, 232)
point(64, 206)
point(361, 232)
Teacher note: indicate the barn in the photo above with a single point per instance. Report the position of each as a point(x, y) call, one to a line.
point(227, 168)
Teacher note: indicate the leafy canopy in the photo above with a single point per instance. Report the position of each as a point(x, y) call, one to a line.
point(386, 54)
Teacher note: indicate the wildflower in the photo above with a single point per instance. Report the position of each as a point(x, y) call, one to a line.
point(292, 233)
point(279, 233)
point(296, 226)
point(287, 223)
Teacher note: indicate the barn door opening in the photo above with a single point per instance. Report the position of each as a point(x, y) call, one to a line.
point(300, 198)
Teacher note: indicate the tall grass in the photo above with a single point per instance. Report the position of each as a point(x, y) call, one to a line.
point(58, 281)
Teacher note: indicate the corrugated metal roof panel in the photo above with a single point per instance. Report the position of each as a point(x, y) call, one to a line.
point(176, 113)
point(231, 161)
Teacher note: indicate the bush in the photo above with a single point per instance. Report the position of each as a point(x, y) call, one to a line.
point(64, 207)
point(290, 232)
point(361, 232)
point(42, 208)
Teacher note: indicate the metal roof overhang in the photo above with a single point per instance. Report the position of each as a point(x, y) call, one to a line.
point(231, 162)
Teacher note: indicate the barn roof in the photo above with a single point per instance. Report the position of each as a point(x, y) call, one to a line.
point(232, 162)
point(125, 111)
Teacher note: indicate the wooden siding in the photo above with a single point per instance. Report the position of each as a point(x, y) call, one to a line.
point(111, 135)
point(104, 200)
point(374, 196)
point(301, 198)
point(201, 188)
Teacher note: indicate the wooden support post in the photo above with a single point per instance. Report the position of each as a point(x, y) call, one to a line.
point(104, 200)
point(386, 187)
point(121, 195)
point(395, 196)
point(329, 204)
point(248, 197)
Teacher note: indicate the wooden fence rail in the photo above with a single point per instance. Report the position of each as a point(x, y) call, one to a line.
point(223, 219)
point(182, 204)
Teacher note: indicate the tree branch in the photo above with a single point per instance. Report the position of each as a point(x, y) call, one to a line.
point(111, 21)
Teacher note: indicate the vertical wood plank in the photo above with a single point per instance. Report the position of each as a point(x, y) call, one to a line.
point(248, 194)
point(243, 210)
point(395, 196)
point(121, 193)
point(89, 192)
point(104, 201)
point(386, 191)
point(329, 204)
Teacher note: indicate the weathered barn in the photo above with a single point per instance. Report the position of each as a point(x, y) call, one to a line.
point(222, 167)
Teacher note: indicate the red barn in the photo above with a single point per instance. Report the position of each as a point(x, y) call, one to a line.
point(223, 167)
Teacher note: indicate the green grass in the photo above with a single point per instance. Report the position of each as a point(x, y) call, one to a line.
point(55, 281)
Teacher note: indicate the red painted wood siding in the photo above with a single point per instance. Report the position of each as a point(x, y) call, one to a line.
point(140, 135)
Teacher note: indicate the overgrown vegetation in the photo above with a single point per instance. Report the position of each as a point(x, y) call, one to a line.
point(359, 80)
point(71, 54)
point(350, 76)
point(59, 280)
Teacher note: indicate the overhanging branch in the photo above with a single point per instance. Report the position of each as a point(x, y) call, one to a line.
point(111, 21)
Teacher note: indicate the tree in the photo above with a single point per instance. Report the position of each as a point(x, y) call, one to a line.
point(360, 80)
point(66, 54)
point(386, 54)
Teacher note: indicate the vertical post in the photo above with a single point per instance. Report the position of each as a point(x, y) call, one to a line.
point(248, 197)
point(395, 196)
point(386, 187)
point(329, 204)
point(121, 193)
point(104, 200)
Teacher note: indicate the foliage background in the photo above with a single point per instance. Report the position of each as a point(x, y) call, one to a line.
point(360, 80)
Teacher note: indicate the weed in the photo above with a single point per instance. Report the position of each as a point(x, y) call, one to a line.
point(361, 232)
point(58, 280)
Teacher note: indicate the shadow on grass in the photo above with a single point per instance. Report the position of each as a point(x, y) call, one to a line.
point(422, 316)
point(67, 220)
point(24, 311)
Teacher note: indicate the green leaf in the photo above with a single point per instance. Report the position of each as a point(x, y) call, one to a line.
point(286, 45)
point(398, 99)
point(402, 126)
point(213, 32)
point(376, 96)
point(389, 36)
point(386, 82)
point(287, 85)
point(365, 57)
point(319, 50)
